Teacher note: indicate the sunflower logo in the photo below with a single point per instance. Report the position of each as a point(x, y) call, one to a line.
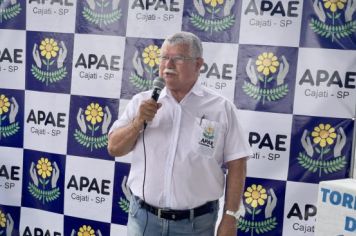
point(4, 108)
point(329, 13)
point(267, 63)
point(94, 113)
point(325, 141)
point(221, 18)
point(255, 195)
point(48, 48)
point(213, 3)
point(44, 167)
point(49, 53)
point(333, 5)
point(12, 108)
point(9, 10)
point(270, 71)
point(86, 230)
point(4, 105)
point(209, 132)
point(100, 13)
point(42, 174)
point(2, 220)
point(150, 56)
point(323, 135)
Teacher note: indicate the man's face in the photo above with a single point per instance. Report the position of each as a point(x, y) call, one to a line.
point(178, 68)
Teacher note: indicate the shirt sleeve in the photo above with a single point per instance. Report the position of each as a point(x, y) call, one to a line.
point(128, 114)
point(236, 142)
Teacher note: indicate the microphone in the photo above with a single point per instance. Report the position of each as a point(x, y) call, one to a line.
point(158, 85)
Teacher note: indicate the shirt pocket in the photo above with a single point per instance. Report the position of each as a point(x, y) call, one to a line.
point(206, 134)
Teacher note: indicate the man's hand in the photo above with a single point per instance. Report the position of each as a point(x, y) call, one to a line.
point(146, 112)
point(227, 226)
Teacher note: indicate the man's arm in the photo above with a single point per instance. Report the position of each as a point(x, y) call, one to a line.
point(122, 140)
point(235, 182)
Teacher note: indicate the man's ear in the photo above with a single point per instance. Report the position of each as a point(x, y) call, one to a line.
point(199, 63)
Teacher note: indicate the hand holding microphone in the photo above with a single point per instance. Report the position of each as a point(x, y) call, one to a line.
point(148, 108)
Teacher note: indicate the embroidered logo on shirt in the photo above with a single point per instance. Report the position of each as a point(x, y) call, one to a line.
point(208, 137)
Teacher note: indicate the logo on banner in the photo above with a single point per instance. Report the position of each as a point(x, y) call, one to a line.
point(8, 112)
point(6, 223)
point(322, 150)
point(268, 82)
point(150, 58)
point(125, 202)
point(87, 230)
point(101, 13)
point(7, 12)
point(93, 126)
point(255, 197)
point(49, 58)
point(334, 19)
point(213, 16)
point(44, 178)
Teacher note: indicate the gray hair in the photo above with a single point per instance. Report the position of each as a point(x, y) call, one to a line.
point(186, 38)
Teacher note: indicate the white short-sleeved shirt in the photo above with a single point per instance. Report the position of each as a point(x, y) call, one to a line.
point(187, 144)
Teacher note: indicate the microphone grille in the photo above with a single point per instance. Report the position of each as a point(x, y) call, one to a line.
point(159, 83)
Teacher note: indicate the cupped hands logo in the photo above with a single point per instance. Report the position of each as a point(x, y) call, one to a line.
point(271, 72)
point(99, 12)
point(213, 15)
point(124, 203)
point(6, 224)
point(44, 178)
point(8, 112)
point(86, 230)
point(322, 149)
point(49, 60)
point(9, 9)
point(330, 13)
point(257, 198)
point(90, 121)
point(148, 68)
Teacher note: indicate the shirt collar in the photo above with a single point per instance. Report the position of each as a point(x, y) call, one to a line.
point(196, 89)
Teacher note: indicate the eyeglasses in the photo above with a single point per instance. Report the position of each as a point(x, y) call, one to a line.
point(176, 59)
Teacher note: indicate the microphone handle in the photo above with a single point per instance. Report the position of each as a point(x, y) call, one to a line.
point(155, 95)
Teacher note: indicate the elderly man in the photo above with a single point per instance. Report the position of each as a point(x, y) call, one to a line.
point(179, 160)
